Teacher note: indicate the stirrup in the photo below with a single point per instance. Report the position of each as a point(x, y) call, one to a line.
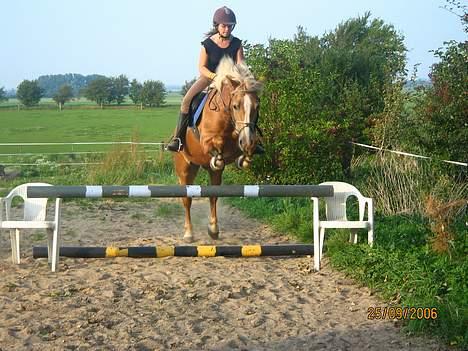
point(179, 147)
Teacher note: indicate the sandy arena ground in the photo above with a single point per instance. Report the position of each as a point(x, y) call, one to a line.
point(181, 303)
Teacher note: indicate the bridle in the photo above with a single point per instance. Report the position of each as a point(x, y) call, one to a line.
point(243, 124)
point(237, 131)
point(238, 126)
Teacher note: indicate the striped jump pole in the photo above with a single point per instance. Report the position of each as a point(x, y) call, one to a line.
point(101, 191)
point(181, 251)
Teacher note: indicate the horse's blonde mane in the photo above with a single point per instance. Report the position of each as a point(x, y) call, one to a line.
point(237, 72)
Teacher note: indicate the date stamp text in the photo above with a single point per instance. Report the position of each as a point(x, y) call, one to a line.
point(400, 313)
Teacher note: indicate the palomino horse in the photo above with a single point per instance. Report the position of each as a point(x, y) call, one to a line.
point(227, 133)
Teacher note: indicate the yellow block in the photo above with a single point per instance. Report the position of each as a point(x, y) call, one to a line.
point(164, 251)
point(116, 252)
point(251, 250)
point(206, 251)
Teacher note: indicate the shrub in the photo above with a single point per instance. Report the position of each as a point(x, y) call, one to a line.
point(320, 94)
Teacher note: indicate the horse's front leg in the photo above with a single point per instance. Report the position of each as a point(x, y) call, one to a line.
point(245, 160)
point(215, 148)
point(213, 229)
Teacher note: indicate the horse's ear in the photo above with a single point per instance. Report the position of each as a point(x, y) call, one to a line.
point(232, 82)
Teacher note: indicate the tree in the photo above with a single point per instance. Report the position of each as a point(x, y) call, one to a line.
point(153, 93)
point(186, 86)
point(52, 83)
point(443, 112)
point(320, 94)
point(367, 57)
point(3, 96)
point(135, 92)
point(99, 90)
point(29, 93)
point(119, 88)
point(63, 95)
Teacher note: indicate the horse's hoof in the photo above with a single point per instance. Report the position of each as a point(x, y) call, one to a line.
point(217, 164)
point(188, 239)
point(243, 162)
point(239, 162)
point(213, 231)
point(214, 236)
point(188, 236)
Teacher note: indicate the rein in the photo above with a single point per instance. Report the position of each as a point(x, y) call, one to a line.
point(234, 123)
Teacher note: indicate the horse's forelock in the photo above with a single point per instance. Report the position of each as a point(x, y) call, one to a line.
point(239, 73)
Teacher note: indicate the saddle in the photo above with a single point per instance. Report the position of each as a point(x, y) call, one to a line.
point(196, 111)
point(196, 108)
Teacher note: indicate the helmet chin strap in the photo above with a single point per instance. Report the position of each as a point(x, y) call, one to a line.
point(224, 37)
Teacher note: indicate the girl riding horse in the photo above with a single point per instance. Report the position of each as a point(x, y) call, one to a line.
point(226, 134)
point(219, 43)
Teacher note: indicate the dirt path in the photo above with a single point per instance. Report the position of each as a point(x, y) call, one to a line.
point(181, 303)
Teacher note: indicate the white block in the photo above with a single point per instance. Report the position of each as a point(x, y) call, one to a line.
point(93, 191)
point(139, 191)
point(251, 190)
point(193, 190)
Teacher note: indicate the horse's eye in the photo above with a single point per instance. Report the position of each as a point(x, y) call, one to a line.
point(236, 107)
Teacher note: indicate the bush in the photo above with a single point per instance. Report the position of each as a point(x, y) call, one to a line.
point(319, 95)
point(443, 113)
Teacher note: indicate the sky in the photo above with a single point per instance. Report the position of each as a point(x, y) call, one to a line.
point(160, 40)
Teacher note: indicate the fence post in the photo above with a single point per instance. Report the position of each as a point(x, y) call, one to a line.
point(161, 152)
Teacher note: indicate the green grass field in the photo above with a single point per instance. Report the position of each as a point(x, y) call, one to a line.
point(85, 122)
point(82, 124)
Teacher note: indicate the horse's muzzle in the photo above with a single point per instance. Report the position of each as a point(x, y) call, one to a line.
point(247, 140)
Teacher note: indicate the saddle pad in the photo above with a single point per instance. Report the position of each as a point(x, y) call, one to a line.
point(198, 112)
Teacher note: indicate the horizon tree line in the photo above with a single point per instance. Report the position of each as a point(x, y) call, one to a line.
point(102, 90)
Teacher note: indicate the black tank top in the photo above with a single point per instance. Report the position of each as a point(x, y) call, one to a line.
point(215, 53)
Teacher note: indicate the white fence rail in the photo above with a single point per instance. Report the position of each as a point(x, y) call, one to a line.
point(403, 153)
point(409, 154)
point(83, 143)
point(71, 152)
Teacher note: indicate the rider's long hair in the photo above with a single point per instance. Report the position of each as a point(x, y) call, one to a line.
point(213, 30)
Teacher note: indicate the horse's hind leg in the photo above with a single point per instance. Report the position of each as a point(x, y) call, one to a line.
point(213, 229)
point(186, 172)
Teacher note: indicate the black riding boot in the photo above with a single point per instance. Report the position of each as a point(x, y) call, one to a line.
point(177, 141)
point(259, 149)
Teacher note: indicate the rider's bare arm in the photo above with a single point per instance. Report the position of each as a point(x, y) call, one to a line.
point(240, 55)
point(203, 63)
